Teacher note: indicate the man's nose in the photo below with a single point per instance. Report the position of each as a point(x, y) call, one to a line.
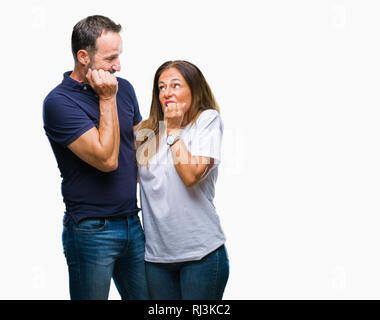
point(116, 66)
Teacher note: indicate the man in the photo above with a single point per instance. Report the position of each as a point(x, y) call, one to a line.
point(89, 120)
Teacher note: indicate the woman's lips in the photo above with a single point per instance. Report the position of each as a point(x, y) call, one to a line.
point(169, 101)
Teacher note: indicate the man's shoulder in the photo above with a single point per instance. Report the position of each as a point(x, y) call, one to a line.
point(58, 102)
point(57, 93)
point(125, 84)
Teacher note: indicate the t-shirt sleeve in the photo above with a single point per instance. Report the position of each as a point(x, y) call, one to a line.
point(206, 138)
point(64, 121)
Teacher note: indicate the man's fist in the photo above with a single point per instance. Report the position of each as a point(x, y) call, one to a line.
point(103, 82)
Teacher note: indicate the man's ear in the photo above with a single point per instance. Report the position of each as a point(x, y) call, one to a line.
point(83, 57)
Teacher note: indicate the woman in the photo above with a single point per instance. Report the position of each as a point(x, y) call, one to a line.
point(178, 152)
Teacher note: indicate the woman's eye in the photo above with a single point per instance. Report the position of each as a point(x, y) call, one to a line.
point(177, 85)
point(161, 88)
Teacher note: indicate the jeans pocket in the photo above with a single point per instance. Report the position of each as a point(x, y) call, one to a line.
point(90, 225)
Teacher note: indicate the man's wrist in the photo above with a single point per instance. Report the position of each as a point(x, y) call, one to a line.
point(107, 99)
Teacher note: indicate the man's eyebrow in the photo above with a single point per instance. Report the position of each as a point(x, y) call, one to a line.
point(112, 56)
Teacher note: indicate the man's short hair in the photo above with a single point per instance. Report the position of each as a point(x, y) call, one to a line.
point(86, 31)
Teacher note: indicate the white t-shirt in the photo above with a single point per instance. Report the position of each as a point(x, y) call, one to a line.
point(181, 223)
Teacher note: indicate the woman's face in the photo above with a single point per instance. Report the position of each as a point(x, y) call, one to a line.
point(173, 88)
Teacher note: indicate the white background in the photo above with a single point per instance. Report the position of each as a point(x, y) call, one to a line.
point(298, 86)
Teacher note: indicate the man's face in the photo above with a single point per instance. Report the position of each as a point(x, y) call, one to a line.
point(108, 50)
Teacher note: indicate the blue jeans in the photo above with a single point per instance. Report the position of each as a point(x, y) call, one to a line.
point(97, 250)
point(193, 280)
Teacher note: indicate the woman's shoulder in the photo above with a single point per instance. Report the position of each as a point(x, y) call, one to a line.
point(207, 117)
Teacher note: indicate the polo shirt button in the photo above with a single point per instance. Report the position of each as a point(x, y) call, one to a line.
point(84, 88)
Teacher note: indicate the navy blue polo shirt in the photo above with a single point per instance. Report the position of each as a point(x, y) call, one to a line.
point(71, 109)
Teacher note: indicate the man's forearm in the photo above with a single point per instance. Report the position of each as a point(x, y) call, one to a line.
point(109, 130)
point(99, 147)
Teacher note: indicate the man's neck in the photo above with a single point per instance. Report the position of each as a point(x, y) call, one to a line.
point(78, 75)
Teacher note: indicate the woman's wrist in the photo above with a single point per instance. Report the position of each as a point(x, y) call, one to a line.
point(174, 131)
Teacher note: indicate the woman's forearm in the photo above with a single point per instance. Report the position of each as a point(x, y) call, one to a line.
point(191, 169)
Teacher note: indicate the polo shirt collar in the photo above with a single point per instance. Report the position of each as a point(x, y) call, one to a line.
point(73, 84)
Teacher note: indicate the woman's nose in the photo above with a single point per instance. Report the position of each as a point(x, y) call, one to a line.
point(168, 92)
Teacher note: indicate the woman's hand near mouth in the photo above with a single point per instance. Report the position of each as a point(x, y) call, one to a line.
point(173, 116)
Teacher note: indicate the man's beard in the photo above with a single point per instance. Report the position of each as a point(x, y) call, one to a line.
point(93, 67)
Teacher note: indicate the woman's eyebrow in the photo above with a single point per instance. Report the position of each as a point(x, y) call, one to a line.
point(175, 79)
